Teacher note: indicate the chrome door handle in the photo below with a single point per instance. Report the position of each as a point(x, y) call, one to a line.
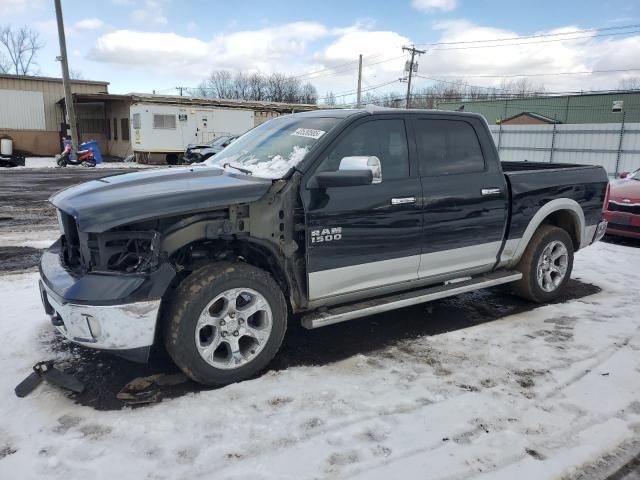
point(491, 191)
point(403, 200)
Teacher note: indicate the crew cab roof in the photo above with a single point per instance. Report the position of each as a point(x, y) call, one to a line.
point(374, 110)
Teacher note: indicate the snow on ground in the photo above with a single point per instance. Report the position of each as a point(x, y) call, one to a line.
point(34, 238)
point(50, 162)
point(530, 396)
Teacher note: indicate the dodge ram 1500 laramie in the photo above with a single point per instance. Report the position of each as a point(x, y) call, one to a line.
point(324, 216)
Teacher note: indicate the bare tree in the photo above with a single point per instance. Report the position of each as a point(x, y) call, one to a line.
point(309, 94)
point(76, 74)
point(241, 87)
point(630, 83)
point(277, 87)
point(21, 47)
point(5, 66)
point(257, 87)
point(521, 88)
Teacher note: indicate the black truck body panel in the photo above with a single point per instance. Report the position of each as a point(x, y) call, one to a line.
point(324, 246)
point(584, 184)
point(102, 204)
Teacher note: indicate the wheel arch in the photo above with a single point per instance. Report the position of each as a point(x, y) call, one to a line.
point(564, 213)
point(252, 251)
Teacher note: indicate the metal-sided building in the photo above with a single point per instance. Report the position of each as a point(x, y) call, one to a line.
point(588, 108)
point(32, 114)
point(597, 129)
point(29, 111)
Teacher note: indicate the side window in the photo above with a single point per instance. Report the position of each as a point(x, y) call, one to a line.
point(124, 128)
point(385, 139)
point(448, 147)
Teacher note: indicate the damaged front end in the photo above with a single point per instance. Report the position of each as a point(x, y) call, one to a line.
point(103, 290)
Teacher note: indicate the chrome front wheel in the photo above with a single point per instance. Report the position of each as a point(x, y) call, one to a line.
point(233, 328)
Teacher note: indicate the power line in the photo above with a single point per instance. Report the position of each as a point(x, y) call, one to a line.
point(595, 29)
point(533, 43)
point(588, 72)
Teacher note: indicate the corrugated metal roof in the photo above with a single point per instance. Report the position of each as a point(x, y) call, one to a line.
point(50, 79)
point(588, 108)
point(192, 101)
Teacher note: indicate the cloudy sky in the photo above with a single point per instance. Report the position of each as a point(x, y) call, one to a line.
point(145, 45)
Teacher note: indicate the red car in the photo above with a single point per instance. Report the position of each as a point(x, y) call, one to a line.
point(622, 210)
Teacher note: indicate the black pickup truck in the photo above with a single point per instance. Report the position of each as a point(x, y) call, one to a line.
point(322, 216)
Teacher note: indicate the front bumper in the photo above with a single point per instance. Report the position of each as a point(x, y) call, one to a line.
point(623, 224)
point(105, 311)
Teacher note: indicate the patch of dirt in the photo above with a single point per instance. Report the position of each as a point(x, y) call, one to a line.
point(535, 454)
point(7, 450)
point(14, 259)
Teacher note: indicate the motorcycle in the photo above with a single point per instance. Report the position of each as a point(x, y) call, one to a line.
point(84, 158)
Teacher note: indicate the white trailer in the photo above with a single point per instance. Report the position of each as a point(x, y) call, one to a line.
point(168, 129)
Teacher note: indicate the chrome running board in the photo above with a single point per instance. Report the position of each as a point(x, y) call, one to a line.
point(399, 300)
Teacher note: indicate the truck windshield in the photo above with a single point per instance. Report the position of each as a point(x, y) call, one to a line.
point(635, 175)
point(273, 148)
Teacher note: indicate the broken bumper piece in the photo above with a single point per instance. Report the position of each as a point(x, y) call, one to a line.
point(117, 313)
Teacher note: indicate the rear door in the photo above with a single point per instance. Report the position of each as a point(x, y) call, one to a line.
point(368, 236)
point(465, 198)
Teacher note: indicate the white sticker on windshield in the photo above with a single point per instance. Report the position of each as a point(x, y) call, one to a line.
point(308, 132)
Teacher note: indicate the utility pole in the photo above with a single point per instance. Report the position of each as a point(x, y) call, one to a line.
point(359, 103)
point(180, 88)
point(66, 81)
point(411, 68)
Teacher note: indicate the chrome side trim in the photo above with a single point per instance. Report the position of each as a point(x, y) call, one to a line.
point(465, 258)
point(342, 280)
point(403, 200)
point(342, 314)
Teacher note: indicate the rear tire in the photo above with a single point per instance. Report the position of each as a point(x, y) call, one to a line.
point(209, 330)
point(545, 265)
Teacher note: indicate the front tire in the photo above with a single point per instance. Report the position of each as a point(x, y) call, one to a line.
point(225, 323)
point(545, 265)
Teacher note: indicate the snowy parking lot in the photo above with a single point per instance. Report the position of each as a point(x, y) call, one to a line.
point(498, 391)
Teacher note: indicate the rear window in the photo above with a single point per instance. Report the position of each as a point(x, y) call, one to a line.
point(448, 147)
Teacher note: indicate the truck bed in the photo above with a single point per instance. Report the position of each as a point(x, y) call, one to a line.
point(532, 184)
point(517, 167)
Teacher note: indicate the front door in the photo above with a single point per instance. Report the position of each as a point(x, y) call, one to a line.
point(367, 236)
point(464, 197)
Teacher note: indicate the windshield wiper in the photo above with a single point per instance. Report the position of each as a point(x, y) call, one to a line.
point(243, 170)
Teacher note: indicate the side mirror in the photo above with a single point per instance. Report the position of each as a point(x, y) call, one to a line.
point(363, 163)
point(353, 171)
point(623, 175)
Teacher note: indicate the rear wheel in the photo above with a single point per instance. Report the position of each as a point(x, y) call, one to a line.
point(545, 265)
point(226, 323)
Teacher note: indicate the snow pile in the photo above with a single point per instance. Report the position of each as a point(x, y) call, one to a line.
point(275, 167)
point(530, 396)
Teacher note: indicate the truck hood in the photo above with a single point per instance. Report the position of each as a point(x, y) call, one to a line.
point(625, 190)
point(102, 204)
